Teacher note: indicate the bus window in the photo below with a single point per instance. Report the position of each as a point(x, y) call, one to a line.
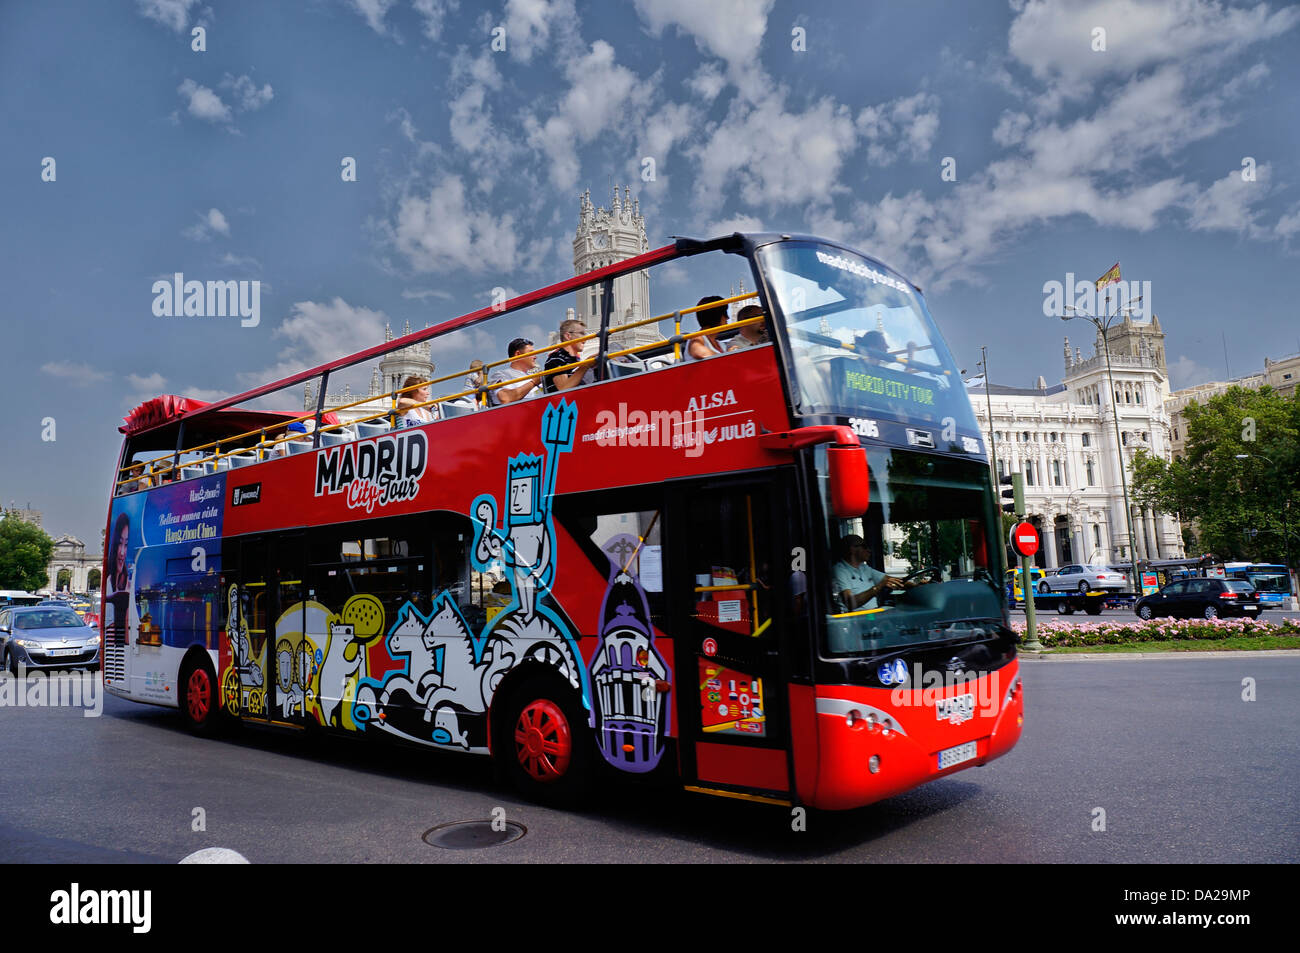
point(622, 543)
point(728, 561)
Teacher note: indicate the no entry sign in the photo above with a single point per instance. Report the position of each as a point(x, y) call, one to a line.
point(1024, 539)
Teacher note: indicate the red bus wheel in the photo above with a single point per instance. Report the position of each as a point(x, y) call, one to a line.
point(543, 742)
point(198, 695)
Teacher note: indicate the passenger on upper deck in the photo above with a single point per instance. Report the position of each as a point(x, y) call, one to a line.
point(412, 415)
point(296, 431)
point(567, 353)
point(138, 481)
point(752, 334)
point(516, 368)
point(706, 345)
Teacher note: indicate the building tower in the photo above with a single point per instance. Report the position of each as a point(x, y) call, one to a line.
point(411, 361)
point(606, 236)
point(1128, 338)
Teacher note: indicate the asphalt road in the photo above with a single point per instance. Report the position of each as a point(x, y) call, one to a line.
point(1185, 770)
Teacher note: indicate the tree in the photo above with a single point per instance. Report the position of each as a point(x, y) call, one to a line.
point(92, 580)
point(1240, 475)
point(25, 552)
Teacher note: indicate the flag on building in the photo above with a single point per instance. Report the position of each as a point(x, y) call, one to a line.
point(1109, 278)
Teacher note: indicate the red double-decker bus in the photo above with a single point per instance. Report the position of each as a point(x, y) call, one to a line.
point(748, 545)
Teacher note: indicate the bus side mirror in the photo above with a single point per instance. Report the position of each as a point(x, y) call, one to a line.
point(850, 480)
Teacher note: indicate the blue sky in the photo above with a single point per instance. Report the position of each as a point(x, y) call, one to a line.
point(225, 164)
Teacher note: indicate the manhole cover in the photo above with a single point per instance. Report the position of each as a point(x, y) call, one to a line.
point(473, 835)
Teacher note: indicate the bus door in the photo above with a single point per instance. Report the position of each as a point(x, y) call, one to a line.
point(291, 658)
point(729, 581)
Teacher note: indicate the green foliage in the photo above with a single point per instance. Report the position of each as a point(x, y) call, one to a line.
point(25, 552)
point(1236, 504)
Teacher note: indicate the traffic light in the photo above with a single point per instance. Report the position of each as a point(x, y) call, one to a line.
point(1016, 494)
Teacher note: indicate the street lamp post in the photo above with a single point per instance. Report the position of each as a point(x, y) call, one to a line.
point(1286, 526)
point(983, 364)
point(1103, 325)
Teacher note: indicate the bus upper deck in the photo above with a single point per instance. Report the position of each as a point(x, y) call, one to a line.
point(857, 346)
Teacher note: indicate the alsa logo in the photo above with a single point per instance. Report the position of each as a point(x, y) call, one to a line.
point(709, 401)
point(243, 495)
point(374, 472)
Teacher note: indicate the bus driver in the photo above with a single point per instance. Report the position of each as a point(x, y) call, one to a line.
point(855, 584)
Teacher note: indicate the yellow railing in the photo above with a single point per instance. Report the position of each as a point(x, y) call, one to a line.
point(156, 469)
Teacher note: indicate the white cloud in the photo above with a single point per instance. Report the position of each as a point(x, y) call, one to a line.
point(374, 12)
point(471, 123)
point(203, 103)
point(707, 82)
point(905, 125)
point(240, 261)
point(152, 383)
point(1288, 224)
point(432, 12)
point(1227, 204)
point(1101, 164)
point(170, 13)
point(74, 374)
point(443, 231)
point(530, 23)
point(600, 95)
point(315, 333)
point(247, 96)
point(1054, 38)
point(731, 30)
point(774, 156)
point(733, 223)
point(210, 221)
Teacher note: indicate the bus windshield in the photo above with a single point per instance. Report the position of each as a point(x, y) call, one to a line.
point(1268, 580)
point(861, 339)
point(917, 566)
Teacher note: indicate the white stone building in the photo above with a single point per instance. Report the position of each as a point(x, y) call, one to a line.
point(1063, 439)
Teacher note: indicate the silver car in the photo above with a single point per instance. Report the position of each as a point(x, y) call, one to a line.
point(1083, 579)
point(46, 636)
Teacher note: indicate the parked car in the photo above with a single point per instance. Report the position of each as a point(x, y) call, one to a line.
point(1201, 598)
point(1083, 579)
point(42, 637)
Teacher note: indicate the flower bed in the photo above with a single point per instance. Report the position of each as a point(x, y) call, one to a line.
point(1062, 633)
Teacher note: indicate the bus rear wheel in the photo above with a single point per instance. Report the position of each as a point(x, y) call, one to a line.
point(543, 743)
point(200, 707)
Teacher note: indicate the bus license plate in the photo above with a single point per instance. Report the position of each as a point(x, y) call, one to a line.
point(957, 755)
point(64, 652)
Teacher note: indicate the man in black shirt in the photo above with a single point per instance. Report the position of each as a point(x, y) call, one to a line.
point(567, 353)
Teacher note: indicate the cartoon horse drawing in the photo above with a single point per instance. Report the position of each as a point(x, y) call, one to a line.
point(445, 673)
